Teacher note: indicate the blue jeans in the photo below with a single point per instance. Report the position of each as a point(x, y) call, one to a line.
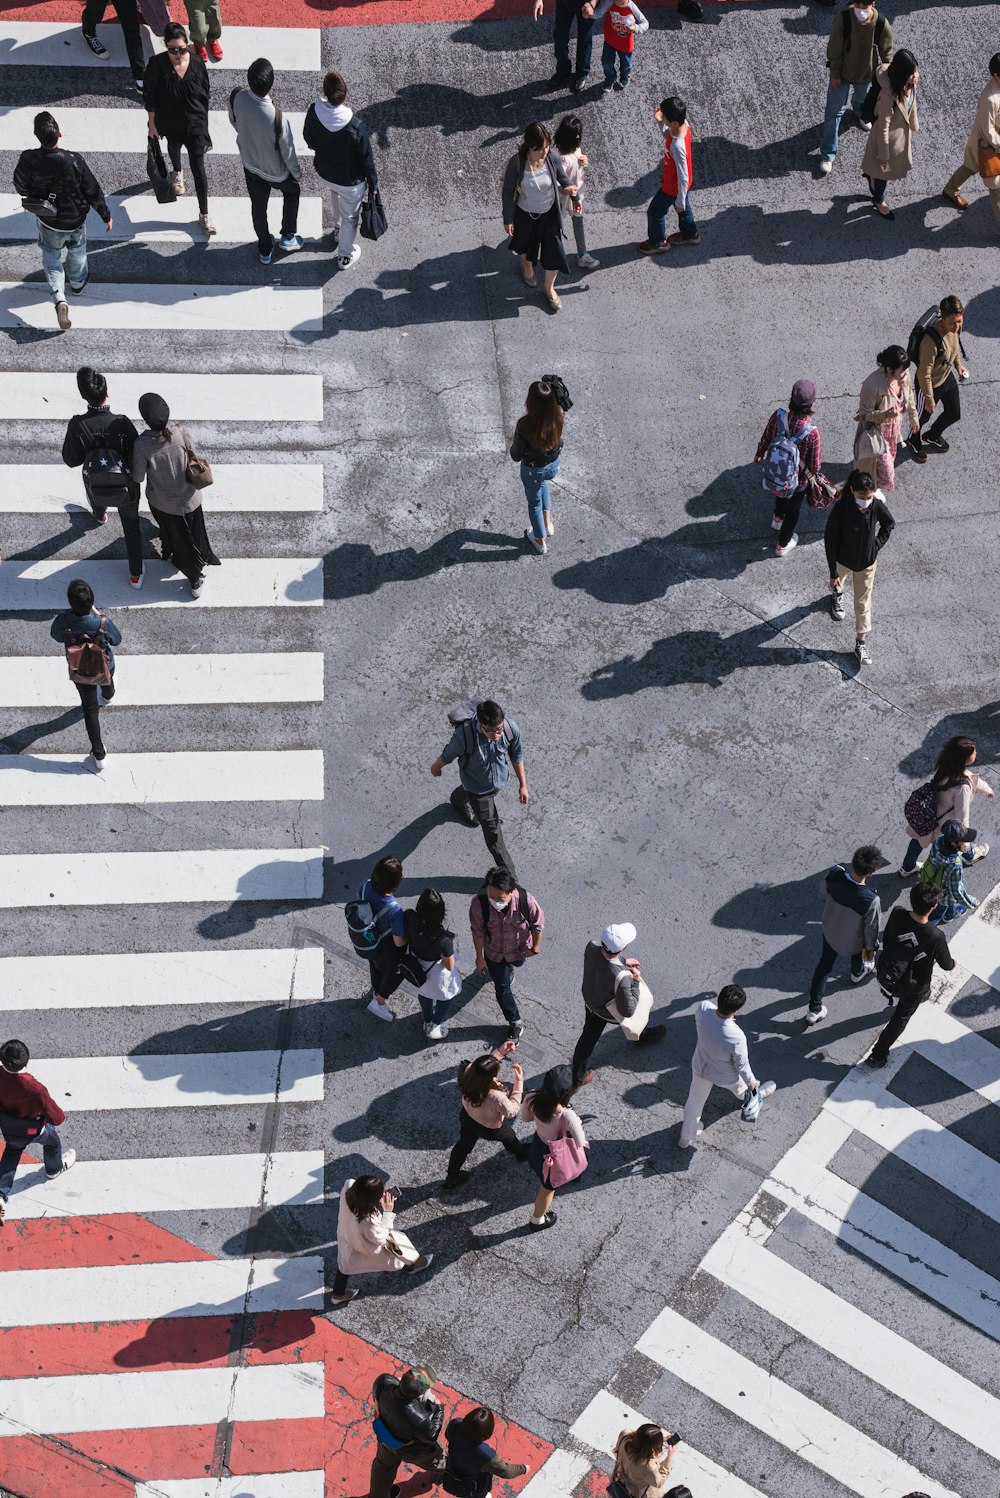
point(568, 11)
point(502, 974)
point(536, 488)
point(434, 1011)
point(836, 108)
point(656, 217)
point(16, 1141)
point(53, 242)
point(609, 57)
point(824, 967)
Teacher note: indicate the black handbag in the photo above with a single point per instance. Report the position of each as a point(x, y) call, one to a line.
point(45, 209)
point(373, 220)
point(158, 173)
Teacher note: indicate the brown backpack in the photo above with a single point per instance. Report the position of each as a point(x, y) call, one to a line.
point(86, 657)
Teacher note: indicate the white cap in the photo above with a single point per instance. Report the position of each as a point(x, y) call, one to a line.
point(617, 938)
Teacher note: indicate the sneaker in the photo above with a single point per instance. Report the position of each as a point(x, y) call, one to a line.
point(452, 1183)
point(101, 519)
point(424, 1262)
point(177, 183)
point(875, 1061)
point(837, 605)
point(776, 522)
point(342, 1300)
point(547, 1221)
point(98, 48)
point(62, 316)
point(825, 166)
point(139, 86)
point(69, 1160)
point(652, 1034)
point(862, 653)
point(536, 543)
point(266, 259)
point(290, 243)
point(515, 1029)
point(688, 1144)
point(436, 1032)
point(606, 89)
point(679, 238)
point(915, 450)
point(201, 50)
point(215, 48)
point(137, 582)
point(79, 290)
point(3, 1212)
point(550, 525)
point(559, 77)
point(97, 762)
point(813, 1016)
point(578, 85)
point(621, 85)
point(647, 247)
point(346, 261)
point(937, 444)
point(197, 586)
point(979, 851)
point(380, 1010)
point(206, 224)
point(864, 125)
point(782, 551)
point(767, 1089)
point(587, 262)
point(905, 873)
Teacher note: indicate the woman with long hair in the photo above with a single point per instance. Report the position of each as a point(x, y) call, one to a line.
point(536, 446)
point(433, 947)
point(889, 153)
point(956, 783)
point(532, 208)
point(548, 1108)
point(885, 395)
point(160, 456)
point(368, 1240)
point(643, 1459)
point(488, 1110)
point(176, 94)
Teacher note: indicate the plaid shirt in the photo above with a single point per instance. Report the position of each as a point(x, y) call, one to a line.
point(809, 447)
point(510, 937)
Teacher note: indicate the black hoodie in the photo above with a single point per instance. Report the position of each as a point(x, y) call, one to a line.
point(855, 537)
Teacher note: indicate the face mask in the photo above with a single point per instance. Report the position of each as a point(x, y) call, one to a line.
point(864, 504)
point(863, 15)
point(499, 904)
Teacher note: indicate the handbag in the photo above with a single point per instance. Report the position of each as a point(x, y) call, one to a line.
point(820, 492)
point(565, 1160)
point(989, 162)
point(198, 471)
point(373, 220)
point(750, 1112)
point(156, 170)
point(869, 442)
point(45, 209)
point(632, 1025)
point(441, 983)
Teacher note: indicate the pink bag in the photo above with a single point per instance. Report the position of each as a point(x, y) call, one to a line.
point(564, 1162)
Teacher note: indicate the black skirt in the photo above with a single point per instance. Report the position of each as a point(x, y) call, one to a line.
point(184, 541)
point(540, 237)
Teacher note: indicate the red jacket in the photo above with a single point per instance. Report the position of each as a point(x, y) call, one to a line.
point(22, 1096)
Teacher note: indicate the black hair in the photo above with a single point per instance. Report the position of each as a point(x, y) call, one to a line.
point(260, 77)
point(923, 898)
point(334, 88)
point(46, 130)
point(731, 999)
point(536, 138)
point(954, 758)
point(501, 878)
point(680, 1491)
point(857, 479)
point(92, 385)
point(547, 1099)
point(674, 109)
point(995, 65)
point(363, 1196)
point(174, 32)
point(490, 713)
point(795, 409)
point(893, 357)
point(951, 305)
point(479, 1078)
point(865, 860)
point(901, 70)
point(386, 876)
point(81, 597)
point(569, 133)
point(478, 1424)
point(14, 1055)
point(430, 911)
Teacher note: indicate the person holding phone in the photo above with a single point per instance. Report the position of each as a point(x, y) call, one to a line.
point(643, 1459)
point(488, 1110)
point(368, 1240)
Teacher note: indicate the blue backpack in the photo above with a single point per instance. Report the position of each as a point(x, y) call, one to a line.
point(783, 459)
point(363, 922)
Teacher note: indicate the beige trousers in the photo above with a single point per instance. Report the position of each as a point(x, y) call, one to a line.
point(958, 180)
point(864, 582)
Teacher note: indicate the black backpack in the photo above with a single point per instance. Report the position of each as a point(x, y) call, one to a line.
point(487, 908)
point(926, 328)
point(106, 476)
point(894, 967)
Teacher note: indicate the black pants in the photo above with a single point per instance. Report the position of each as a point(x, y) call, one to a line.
point(905, 1010)
point(129, 515)
point(339, 1283)
point(128, 14)
point(91, 712)
point(469, 1134)
point(197, 161)
point(824, 967)
point(951, 408)
point(789, 510)
point(568, 11)
point(383, 968)
point(260, 193)
point(593, 1028)
point(484, 809)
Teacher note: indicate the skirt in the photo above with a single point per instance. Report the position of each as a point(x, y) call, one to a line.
point(184, 541)
point(537, 1152)
point(540, 238)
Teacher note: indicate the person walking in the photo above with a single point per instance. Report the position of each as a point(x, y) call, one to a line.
point(407, 1428)
point(944, 868)
point(885, 396)
point(472, 1461)
point(951, 789)
point(160, 457)
point(857, 527)
point(537, 443)
point(674, 190)
point(852, 914)
point(889, 152)
point(609, 978)
point(790, 452)
point(487, 745)
point(939, 368)
point(643, 1459)
point(860, 38)
point(548, 1108)
point(267, 152)
point(87, 626)
point(982, 149)
point(127, 12)
point(64, 182)
point(507, 924)
point(720, 1059)
point(569, 144)
point(205, 21)
point(101, 442)
point(378, 892)
point(488, 1110)
point(368, 1240)
point(343, 158)
point(623, 22)
point(176, 94)
point(535, 184)
point(911, 947)
point(28, 1119)
point(431, 948)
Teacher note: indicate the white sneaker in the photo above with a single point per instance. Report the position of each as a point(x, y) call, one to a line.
point(813, 1017)
point(766, 1088)
point(95, 763)
point(342, 1300)
point(550, 525)
point(688, 1144)
point(177, 183)
point(980, 851)
point(588, 262)
point(535, 543)
point(826, 167)
point(436, 1032)
point(782, 551)
point(69, 1160)
point(905, 873)
point(346, 261)
point(137, 582)
point(380, 1011)
point(867, 969)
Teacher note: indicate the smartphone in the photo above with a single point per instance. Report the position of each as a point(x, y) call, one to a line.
point(674, 1440)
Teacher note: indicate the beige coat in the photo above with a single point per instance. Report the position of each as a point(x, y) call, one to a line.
point(642, 1479)
point(892, 134)
point(986, 127)
point(875, 407)
point(368, 1247)
point(955, 801)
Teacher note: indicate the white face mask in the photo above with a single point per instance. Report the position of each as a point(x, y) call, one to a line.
point(863, 13)
point(864, 504)
point(499, 904)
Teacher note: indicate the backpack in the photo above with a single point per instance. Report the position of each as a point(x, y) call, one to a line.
point(925, 329)
point(86, 657)
point(106, 476)
point(783, 459)
point(487, 908)
point(920, 809)
point(279, 118)
point(462, 715)
point(893, 968)
point(363, 924)
point(877, 40)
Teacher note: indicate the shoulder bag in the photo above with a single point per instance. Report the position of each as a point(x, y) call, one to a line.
point(373, 220)
point(160, 177)
point(632, 1025)
point(565, 1160)
point(198, 471)
point(869, 442)
point(989, 162)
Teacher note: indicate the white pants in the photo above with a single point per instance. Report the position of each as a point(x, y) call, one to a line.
point(345, 210)
point(696, 1100)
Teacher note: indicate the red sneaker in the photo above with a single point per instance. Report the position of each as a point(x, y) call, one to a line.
point(201, 51)
point(215, 47)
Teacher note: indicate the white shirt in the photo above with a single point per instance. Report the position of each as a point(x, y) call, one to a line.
point(721, 1053)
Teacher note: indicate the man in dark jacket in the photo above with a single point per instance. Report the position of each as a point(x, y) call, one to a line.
point(407, 1429)
point(606, 976)
point(858, 526)
point(101, 432)
point(852, 914)
point(910, 949)
point(65, 179)
point(344, 160)
point(860, 39)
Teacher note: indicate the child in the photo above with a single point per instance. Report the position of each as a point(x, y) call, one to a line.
point(569, 134)
point(623, 22)
point(675, 186)
point(943, 869)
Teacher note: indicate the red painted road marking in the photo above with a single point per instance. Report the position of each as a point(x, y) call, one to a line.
point(90, 1243)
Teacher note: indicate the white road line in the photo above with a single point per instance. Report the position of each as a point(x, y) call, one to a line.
point(976, 947)
point(170, 680)
point(191, 1183)
point(141, 218)
point(606, 1417)
point(52, 488)
point(148, 779)
point(558, 1476)
point(154, 1400)
point(51, 44)
point(957, 1050)
point(119, 980)
point(240, 583)
point(152, 1292)
point(263, 1485)
point(168, 305)
point(750, 1393)
point(123, 131)
point(219, 1079)
point(191, 397)
point(203, 875)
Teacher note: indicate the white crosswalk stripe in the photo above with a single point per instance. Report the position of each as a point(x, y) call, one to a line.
point(143, 219)
point(240, 583)
point(109, 304)
point(52, 488)
point(220, 1079)
point(143, 779)
point(209, 875)
point(259, 1485)
point(171, 680)
point(53, 44)
point(87, 129)
point(191, 397)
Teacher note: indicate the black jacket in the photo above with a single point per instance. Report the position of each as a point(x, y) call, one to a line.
point(40, 172)
point(511, 188)
point(343, 156)
point(407, 1419)
point(99, 427)
point(855, 537)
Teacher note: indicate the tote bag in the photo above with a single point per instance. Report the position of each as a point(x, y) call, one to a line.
point(632, 1025)
point(373, 220)
point(158, 174)
point(566, 1159)
point(869, 443)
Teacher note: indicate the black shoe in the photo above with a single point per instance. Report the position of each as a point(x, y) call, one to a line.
point(394, 1490)
point(915, 450)
point(463, 808)
point(937, 444)
point(692, 10)
point(98, 48)
point(559, 77)
point(579, 84)
point(452, 1183)
point(539, 1227)
point(876, 1062)
point(515, 1029)
point(652, 1034)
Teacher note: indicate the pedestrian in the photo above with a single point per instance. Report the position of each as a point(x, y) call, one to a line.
point(609, 978)
point(889, 153)
point(88, 637)
point(982, 149)
point(431, 948)
point(368, 1240)
point(343, 158)
point(488, 1110)
point(643, 1459)
point(63, 185)
point(537, 443)
point(939, 356)
point(548, 1108)
point(947, 795)
point(568, 11)
point(407, 1428)
point(944, 867)
point(623, 22)
point(161, 456)
point(885, 396)
point(378, 891)
point(910, 948)
point(101, 442)
point(28, 1118)
point(532, 208)
point(507, 924)
point(487, 745)
point(676, 180)
point(568, 142)
point(128, 16)
point(852, 914)
point(720, 1059)
point(860, 38)
point(267, 152)
point(472, 1461)
point(790, 453)
point(176, 94)
point(205, 21)
point(857, 527)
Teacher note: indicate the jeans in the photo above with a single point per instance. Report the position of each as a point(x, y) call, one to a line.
point(836, 108)
point(824, 967)
point(469, 1134)
point(198, 173)
point(911, 855)
point(53, 242)
point(128, 14)
point(593, 1029)
point(951, 409)
point(789, 510)
point(609, 57)
point(434, 1011)
point(579, 232)
point(345, 210)
point(536, 489)
point(502, 974)
point(260, 192)
point(484, 809)
point(92, 711)
point(568, 11)
point(16, 1141)
point(905, 1010)
point(431, 1458)
point(697, 1098)
point(656, 217)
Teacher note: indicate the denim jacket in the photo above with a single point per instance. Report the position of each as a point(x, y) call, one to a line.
point(87, 624)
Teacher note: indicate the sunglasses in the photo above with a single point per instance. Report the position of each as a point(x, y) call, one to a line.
point(176, 51)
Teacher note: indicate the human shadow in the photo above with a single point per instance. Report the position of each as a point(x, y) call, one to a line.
point(979, 723)
point(267, 891)
point(22, 738)
point(982, 312)
point(448, 110)
point(343, 877)
point(355, 569)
